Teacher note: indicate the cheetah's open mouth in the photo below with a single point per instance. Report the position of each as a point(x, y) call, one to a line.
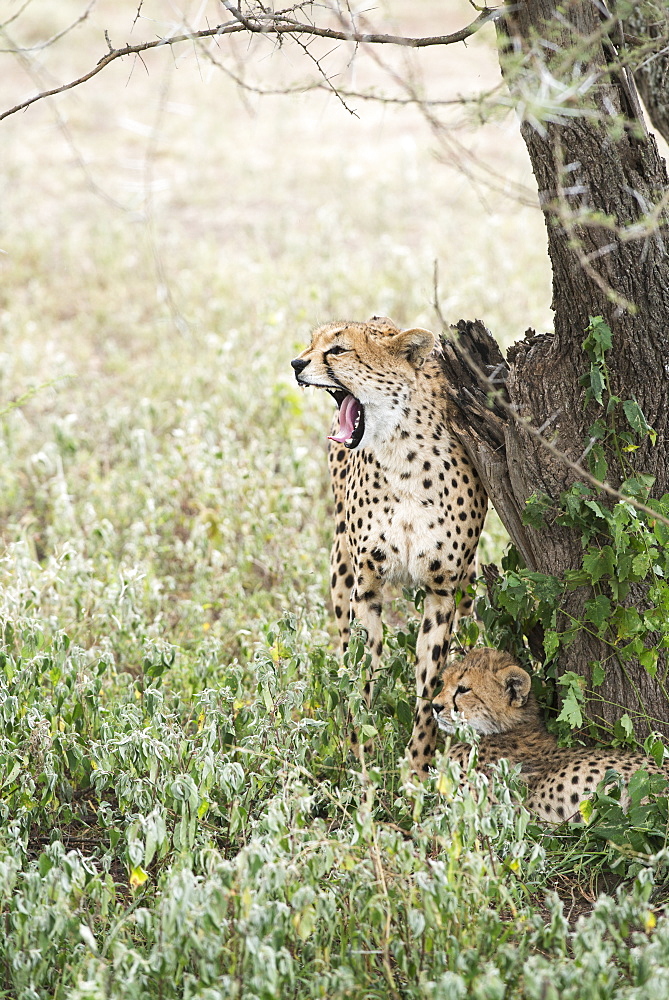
point(351, 418)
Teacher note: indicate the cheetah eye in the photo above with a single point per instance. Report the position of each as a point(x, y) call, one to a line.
point(338, 349)
point(461, 689)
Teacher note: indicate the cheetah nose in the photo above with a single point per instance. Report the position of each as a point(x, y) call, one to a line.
point(299, 365)
point(436, 707)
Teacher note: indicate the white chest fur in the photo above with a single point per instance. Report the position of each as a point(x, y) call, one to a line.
point(408, 534)
point(403, 512)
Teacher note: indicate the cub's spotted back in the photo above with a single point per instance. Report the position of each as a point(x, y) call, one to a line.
point(409, 506)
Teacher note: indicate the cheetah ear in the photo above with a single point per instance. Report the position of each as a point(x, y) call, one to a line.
point(414, 345)
point(517, 684)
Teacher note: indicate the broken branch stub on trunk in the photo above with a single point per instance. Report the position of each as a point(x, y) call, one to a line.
point(477, 375)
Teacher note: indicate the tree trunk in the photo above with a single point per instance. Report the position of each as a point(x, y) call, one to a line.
point(646, 29)
point(599, 183)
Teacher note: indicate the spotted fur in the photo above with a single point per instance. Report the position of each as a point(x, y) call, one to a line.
point(409, 506)
point(494, 695)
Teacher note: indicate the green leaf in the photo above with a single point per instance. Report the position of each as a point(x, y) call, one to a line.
point(660, 530)
point(512, 559)
point(597, 384)
point(621, 516)
point(267, 698)
point(638, 486)
point(572, 700)
point(598, 610)
point(623, 565)
point(575, 578)
point(45, 864)
point(655, 747)
point(599, 562)
point(598, 673)
point(624, 726)
point(637, 420)
point(598, 509)
point(536, 507)
point(598, 430)
point(639, 786)
point(571, 711)
point(599, 338)
point(551, 644)
point(633, 649)
point(404, 713)
point(627, 621)
point(648, 660)
point(544, 586)
point(599, 467)
point(642, 562)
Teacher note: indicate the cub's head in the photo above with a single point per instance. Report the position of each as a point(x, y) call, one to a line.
point(369, 369)
point(489, 690)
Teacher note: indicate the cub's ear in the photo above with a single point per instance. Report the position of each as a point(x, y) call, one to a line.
point(517, 683)
point(414, 345)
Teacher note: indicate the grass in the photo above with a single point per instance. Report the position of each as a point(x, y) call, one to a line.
point(179, 813)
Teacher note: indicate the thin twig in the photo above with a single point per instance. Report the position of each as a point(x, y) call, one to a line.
point(54, 38)
point(326, 79)
point(34, 69)
point(16, 14)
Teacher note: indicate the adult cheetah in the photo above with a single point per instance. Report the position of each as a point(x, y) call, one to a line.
point(409, 505)
point(491, 692)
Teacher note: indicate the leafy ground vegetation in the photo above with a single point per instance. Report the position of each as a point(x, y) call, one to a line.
point(179, 815)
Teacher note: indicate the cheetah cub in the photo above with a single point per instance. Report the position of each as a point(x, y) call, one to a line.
point(492, 693)
point(409, 505)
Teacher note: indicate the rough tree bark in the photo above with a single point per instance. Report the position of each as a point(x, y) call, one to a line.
point(647, 29)
point(596, 182)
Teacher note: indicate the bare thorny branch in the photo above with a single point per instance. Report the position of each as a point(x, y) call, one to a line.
point(295, 21)
point(276, 25)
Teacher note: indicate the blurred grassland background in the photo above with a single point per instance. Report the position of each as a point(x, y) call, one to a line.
point(170, 241)
point(179, 813)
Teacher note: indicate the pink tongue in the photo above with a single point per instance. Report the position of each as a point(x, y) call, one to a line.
point(348, 412)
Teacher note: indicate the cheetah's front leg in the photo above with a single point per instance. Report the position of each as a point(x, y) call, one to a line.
point(431, 652)
point(341, 564)
point(366, 608)
point(356, 594)
point(341, 586)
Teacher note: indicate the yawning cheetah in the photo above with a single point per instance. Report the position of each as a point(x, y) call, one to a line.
point(493, 694)
point(409, 505)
